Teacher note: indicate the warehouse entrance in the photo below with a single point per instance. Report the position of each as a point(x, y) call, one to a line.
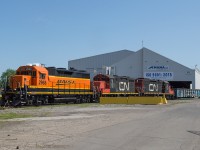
point(180, 84)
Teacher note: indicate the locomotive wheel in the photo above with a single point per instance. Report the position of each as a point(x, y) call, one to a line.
point(30, 102)
point(37, 101)
point(88, 100)
point(46, 100)
point(78, 101)
point(4, 103)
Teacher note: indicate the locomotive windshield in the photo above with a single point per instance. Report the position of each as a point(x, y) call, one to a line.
point(26, 71)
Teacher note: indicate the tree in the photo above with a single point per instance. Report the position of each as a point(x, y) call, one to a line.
point(4, 80)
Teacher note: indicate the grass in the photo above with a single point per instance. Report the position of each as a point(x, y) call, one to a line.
point(2, 108)
point(13, 115)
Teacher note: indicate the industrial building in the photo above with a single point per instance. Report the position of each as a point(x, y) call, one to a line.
point(143, 63)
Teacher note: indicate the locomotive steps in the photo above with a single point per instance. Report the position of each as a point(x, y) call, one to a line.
point(134, 100)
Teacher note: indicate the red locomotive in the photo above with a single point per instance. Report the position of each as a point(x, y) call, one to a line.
point(122, 85)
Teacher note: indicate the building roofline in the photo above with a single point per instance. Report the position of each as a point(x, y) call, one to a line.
point(144, 48)
point(124, 50)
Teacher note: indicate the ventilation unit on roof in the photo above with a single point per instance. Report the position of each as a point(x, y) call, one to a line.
point(36, 64)
point(28, 64)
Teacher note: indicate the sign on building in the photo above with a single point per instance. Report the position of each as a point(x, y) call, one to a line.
point(159, 75)
point(157, 67)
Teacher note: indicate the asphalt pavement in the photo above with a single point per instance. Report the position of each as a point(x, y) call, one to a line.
point(174, 127)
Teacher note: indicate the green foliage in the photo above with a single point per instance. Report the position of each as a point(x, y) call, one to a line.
point(4, 80)
point(13, 115)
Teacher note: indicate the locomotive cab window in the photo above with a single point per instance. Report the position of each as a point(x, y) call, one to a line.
point(42, 76)
point(24, 73)
point(34, 74)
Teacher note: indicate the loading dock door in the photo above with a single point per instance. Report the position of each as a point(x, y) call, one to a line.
point(180, 84)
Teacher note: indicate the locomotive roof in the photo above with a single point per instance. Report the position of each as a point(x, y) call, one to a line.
point(39, 68)
point(65, 70)
point(69, 73)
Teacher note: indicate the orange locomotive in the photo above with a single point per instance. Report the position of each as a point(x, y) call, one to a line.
point(36, 84)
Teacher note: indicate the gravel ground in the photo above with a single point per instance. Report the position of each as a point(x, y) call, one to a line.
point(56, 127)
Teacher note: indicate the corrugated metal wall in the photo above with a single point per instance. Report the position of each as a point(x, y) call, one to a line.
point(99, 63)
point(143, 63)
point(178, 71)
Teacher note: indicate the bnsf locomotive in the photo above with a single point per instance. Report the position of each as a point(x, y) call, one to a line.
point(36, 85)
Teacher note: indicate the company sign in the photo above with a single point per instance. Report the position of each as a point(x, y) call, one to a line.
point(153, 87)
point(123, 86)
point(159, 75)
point(158, 67)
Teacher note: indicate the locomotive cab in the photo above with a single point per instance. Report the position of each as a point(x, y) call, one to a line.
point(27, 76)
point(102, 83)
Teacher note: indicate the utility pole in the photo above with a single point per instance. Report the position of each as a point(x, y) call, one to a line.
point(142, 44)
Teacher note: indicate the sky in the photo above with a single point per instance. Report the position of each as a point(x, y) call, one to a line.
point(52, 32)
